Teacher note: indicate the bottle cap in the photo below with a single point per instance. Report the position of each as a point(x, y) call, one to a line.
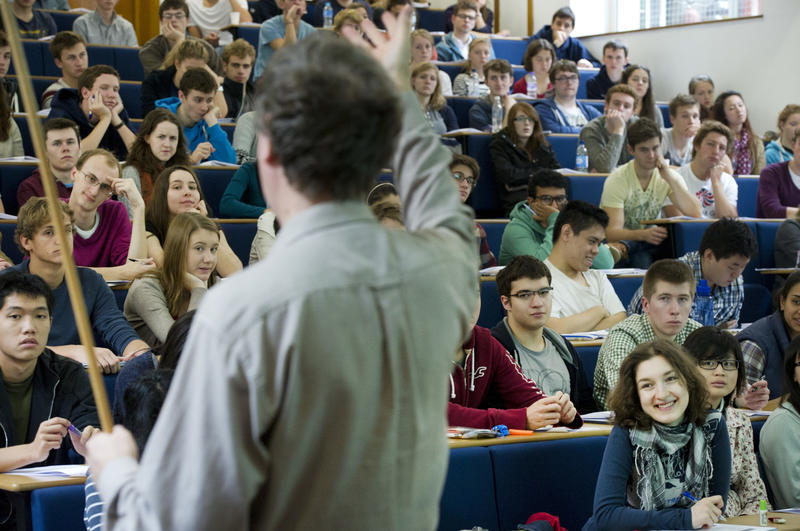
point(762, 505)
point(702, 288)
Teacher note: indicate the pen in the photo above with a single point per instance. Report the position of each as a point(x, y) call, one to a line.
point(90, 110)
point(689, 495)
point(74, 430)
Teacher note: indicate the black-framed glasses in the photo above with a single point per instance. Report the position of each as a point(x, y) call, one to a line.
point(527, 294)
point(567, 79)
point(458, 176)
point(467, 17)
point(550, 199)
point(710, 365)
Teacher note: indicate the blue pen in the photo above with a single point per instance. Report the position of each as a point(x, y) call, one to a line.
point(74, 430)
point(689, 495)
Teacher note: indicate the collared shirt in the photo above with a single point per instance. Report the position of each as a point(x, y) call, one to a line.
point(621, 340)
point(119, 33)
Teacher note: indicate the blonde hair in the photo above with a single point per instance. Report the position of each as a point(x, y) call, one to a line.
point(188, 49)
point(437, 101)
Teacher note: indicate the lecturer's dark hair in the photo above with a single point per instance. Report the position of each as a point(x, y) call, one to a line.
point(143, 399)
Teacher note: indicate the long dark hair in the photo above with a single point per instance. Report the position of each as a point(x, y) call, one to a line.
point(713, 343)
point(791, 389)
point(718, 111)
point(157, 215)
point(537, 138)
point(141, 156)
point(143, 399)
point(169, 352)
point(648, 109)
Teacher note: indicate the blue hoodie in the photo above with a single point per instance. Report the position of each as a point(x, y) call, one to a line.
point(571, 49)
point(199, 132)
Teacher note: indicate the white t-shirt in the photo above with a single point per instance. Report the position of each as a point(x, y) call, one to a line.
point(213, 18)
point(570, 297)
point(574, 116)
point(703, 191)
point(669, 152)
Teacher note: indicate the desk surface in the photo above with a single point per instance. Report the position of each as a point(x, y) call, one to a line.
point(589, 430)
point(792, 521)
point(15, 483)
point(673, 221)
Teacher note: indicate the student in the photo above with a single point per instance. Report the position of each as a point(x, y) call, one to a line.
point(317, 16)
point(637, 191)
point(197, 113)
point(69, 54)
point(244, 138)
point(716, 190)
point(454, 46)
point(279, 31)
point(266, 232)
point(177, 190)
point(105, 26)
point(701, 87)
point(465, 172)
point(747, 151)
point(160, 143)
point(56, 5)
point(32, 23)
point(778, 438)
point(665, 442)
point(639, 79)
point(208, 17)
point(9, 84)
point(530, 231)
point(347, 22)
point(422, 48)
point(539, 57)
point(499, 76)
point(471, 81)
point(719, 358)
point(558, 32)
point(105, 239)
point(157, 298)
point(676, 146)
point(583, 300)
point(173, 16)
point(98, 109)
point(425, 84)
point(727, 246)
point(563, 113)
point(764, 342)
point(484, 20)
point(63, 144)
point(526, 295)
point(778, 194)
point(237, 58)
point(243, 197)
point(36, 238)
point(779, 150)
point(604, 136)
point(41, 394)
point(615, 58)
point(668, 289)
point(518, 150)
point(395, 7)
point(10, 137)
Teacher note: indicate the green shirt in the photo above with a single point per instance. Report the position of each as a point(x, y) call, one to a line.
point(19, 396)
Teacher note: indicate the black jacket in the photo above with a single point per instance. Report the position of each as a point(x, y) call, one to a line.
point(156, 86)
point(233, 97)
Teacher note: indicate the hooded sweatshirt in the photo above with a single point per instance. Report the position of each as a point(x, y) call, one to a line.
point(200, 132)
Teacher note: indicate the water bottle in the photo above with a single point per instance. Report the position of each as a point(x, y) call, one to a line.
point(530, 82)
point(703, 308)
point(327, 15)
point(474, 83)
point(581, 158)
point(497, 115)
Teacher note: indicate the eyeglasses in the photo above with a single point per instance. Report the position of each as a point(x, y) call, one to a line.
point(528, 294)
point(567, 79)
point(524, 119)
point(466, 17)
point(458, 176)
point(710, 365)
point(550, 199)
point(94, 182)
point(176, 16)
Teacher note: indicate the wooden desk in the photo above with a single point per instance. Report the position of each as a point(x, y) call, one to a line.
point(589, 430)
point(792, 521)
point(587, 343)
point(776, 270)
point(17, 483)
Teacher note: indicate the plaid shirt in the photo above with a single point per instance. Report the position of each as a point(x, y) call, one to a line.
point(621, 340)
point(727, 300)
point(754, 361)
point(487, 257)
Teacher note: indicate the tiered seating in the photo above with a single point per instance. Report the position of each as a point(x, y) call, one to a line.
point(125, 59)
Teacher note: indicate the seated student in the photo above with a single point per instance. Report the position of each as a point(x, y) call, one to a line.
point(668, 288)
point(63, 144)
point(281, 30)
point(484, 20)
point(727, 246)
point(173, 16)
point(747, 155)
point(487, 388)
point(317, 16)
point(604, 136)
point(637, 191)
point(244, 138)
point(422, 48)
point(583, 300)
point(563, 113)
point(719, 358)
point(716, 190)
point(35, 236)
point(105, 26)
point(177, 190)
point(655, 454)
point(517, 151)
point(778, 194)
point(764, 342)
point(778, 439)
point(160, 143)
point(676, 145)
point(567, 47)
point(539, 57)
point(10, 84)
point(465, 171)
point(499, 76)
point(237, 58)
point(41, 394)
point(454, 46)
point(425, 84)
point(615, 58)
point(33, 23)
point(157, 298)
point(471, 81)
point(10, 137)
point(105, 239)
point(701, 87)
point(347, 23)
point(395, 7)
point(197, 113)
point(208, 17)
point(164, 83)
point(263, 10)
point(639, 79)
point(69, 54)
point(526, 295)
point(242, 197)
point(98, 109)
point(266, 232)
point(56, 5)
point(530, 231)
point(787, 244)
point(780, 150)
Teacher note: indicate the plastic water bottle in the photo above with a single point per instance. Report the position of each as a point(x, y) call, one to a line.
point(703, 308)
point(497, 115)
point(327, 15)
point(582, 158)
point(474, 83)
point(530, 83)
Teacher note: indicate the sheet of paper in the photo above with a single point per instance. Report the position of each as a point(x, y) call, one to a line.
point(51, 472)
